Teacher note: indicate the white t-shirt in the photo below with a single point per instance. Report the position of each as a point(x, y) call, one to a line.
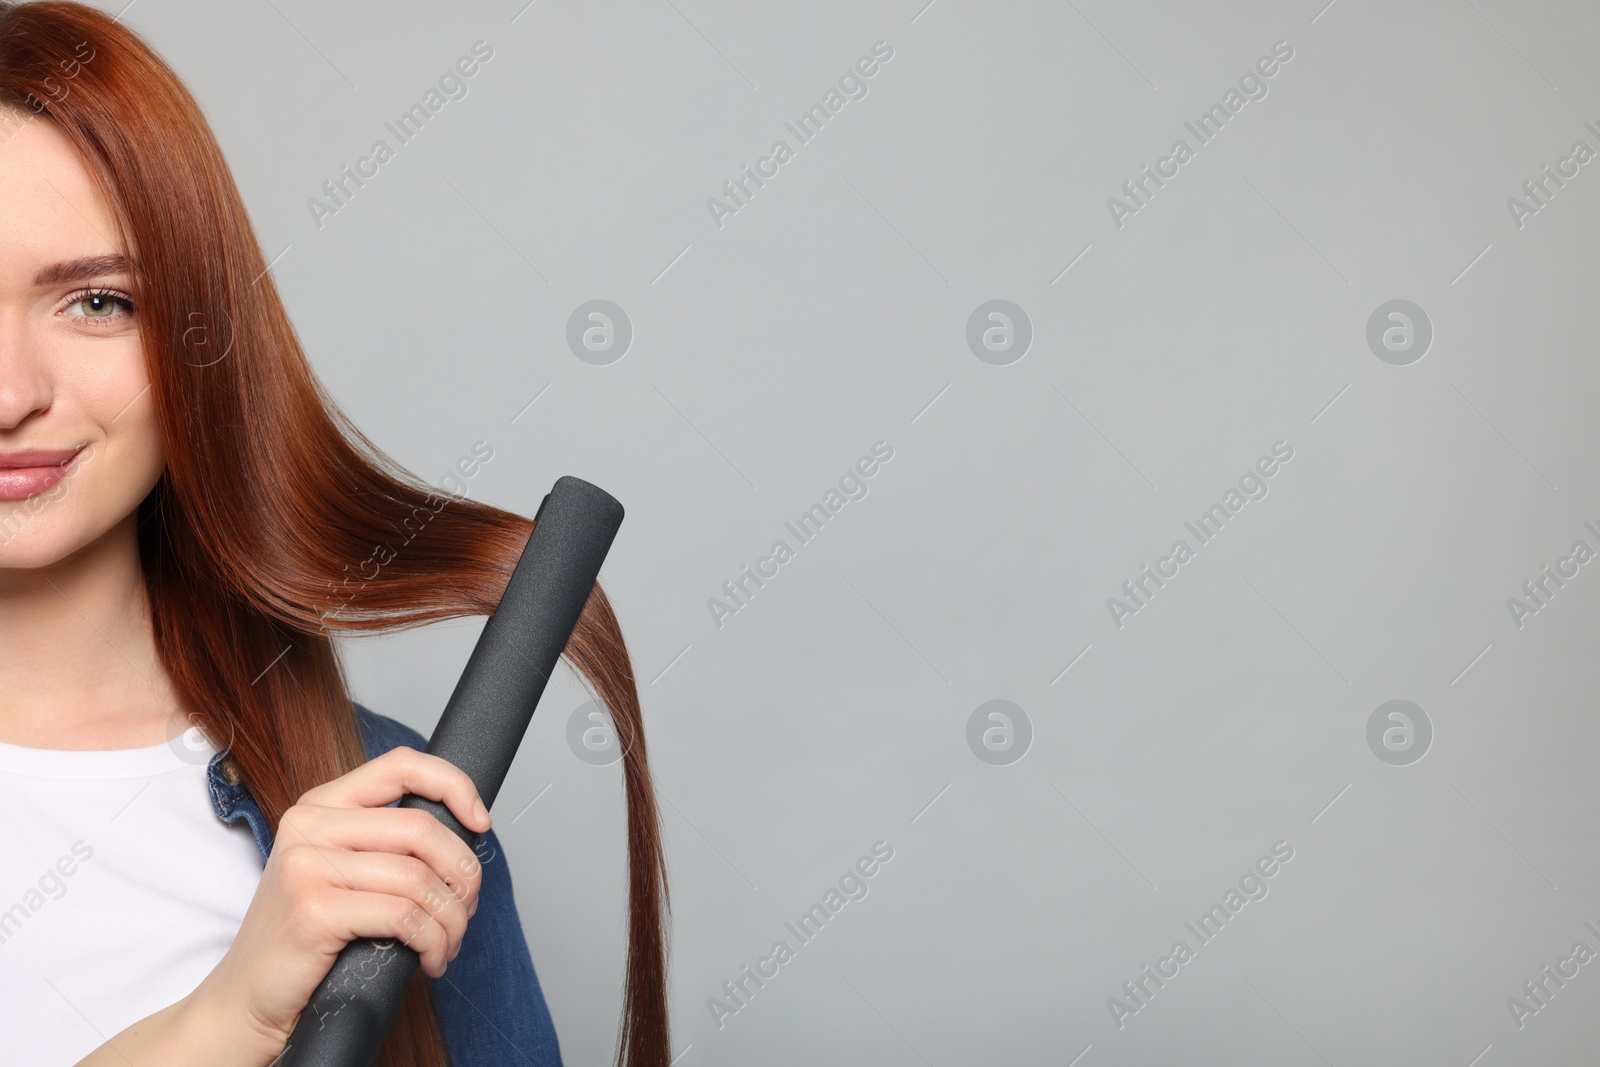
point(120, 889)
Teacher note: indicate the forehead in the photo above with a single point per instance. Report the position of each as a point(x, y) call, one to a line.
point(50, 206)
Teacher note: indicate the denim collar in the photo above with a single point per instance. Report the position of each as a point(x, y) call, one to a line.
point(232, 801)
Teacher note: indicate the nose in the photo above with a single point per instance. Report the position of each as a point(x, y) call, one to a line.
point(25, 378)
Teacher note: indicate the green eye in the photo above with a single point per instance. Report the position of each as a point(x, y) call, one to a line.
point(101, 304)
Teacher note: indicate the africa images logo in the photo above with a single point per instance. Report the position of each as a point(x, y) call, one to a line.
point(1142, 588)
point(1252, 85)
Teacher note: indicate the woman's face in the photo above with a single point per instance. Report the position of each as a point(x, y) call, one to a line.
point(72, 373)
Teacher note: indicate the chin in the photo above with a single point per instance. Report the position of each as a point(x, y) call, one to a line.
point(31, 538)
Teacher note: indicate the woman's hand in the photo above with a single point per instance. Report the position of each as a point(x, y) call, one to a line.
point(345, 866)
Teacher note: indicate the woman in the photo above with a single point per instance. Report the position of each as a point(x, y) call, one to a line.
point(185, 519)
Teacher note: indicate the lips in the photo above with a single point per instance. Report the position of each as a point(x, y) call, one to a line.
point(21, 458)
point(26, 472)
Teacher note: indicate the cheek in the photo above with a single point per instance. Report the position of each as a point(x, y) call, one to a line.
point(117, 404)
point(114, 378)
point(135, 454)
point(108, 402)
point(132, 451)
point(126, 464)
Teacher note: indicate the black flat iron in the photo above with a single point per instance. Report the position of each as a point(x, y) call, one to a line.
point(349, 1016)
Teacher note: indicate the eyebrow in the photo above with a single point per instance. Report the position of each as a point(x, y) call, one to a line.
point(81, 270)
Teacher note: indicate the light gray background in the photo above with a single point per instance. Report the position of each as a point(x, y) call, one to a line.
point(769, 354)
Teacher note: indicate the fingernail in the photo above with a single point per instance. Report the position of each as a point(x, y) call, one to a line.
point(482, 812)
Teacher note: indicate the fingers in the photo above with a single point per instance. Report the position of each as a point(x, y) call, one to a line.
point(400, 771)
point(329, 839)
point(408, 879)
point(403, 876)
point(341, 895)
point(380, 915)
point(354, 867)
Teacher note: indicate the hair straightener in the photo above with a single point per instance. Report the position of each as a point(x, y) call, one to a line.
point(483, 723)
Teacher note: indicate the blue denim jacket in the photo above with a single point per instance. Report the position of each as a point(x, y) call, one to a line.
point(490, 1005)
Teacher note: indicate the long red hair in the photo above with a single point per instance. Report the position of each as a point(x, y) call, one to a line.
point(254, 540)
